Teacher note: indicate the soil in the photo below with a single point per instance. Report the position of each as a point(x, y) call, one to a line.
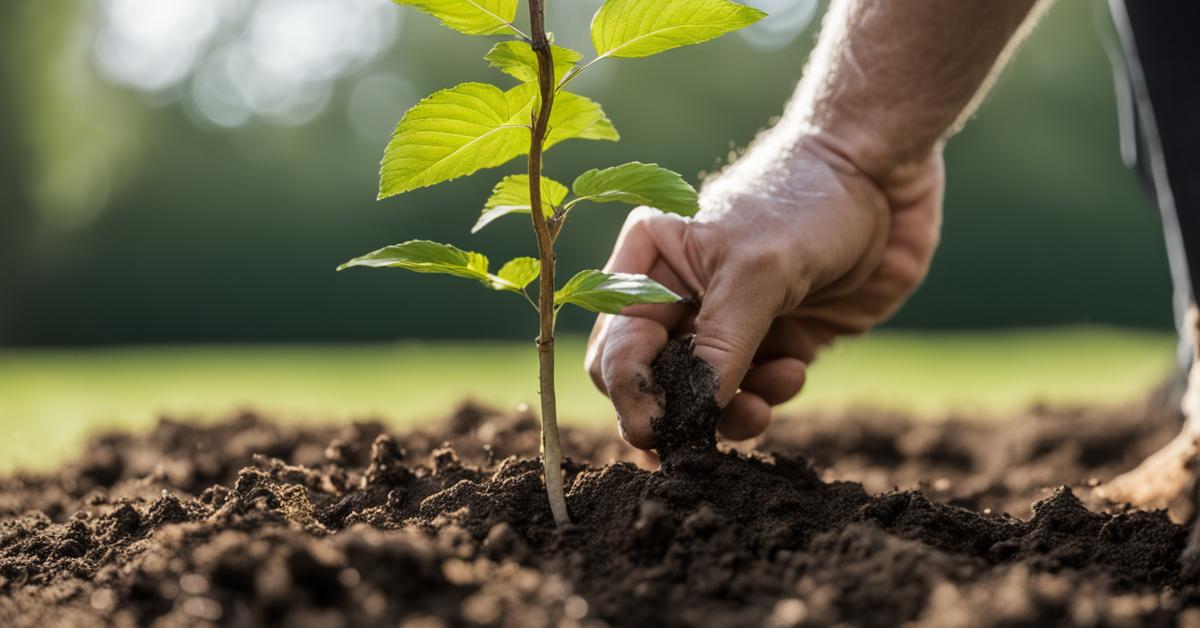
point(866, 518)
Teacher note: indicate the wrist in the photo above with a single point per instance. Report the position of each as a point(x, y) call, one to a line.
point(892, 164)
point(786, 158)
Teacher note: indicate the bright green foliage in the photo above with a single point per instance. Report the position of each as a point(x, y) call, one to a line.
point(640, 28)
point(423, 256)
point(516, 59)
point(573, 116)
point(454, 133)
point(576, 117)
point(458, 131)
point(609, 293)
point(637, 183)
point(473, 17)
point(511, 196)
point(520, 271)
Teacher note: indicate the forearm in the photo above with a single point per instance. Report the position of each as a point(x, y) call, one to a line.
point(890, 80)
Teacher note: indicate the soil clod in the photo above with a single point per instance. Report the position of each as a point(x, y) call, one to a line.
point(688, 387)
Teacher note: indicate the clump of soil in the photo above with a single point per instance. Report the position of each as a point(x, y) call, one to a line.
point(687, 386)
point(866, 519)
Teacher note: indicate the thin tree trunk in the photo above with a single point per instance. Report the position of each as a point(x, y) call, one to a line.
point(551, 448)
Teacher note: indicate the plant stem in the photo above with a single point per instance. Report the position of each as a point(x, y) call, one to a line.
point(551, 448)
point(576, 71)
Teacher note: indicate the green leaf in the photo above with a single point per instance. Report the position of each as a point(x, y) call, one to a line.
point(577, 117)
point(640, 28)
point(573, 117)
point(638, 184)
point(517, 59)
point(423, 256)
point(473, 17)
point(520, 271)
point(454, 133)
point(609, 293)
point(511, 196)
point(458, 131)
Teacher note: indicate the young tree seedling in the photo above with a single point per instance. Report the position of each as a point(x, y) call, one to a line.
point(458, 131)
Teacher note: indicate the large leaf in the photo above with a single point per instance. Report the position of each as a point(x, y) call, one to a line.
point(458, 131)
point(473, 17)
point(609, 293)
point(638, 184)
point(424, 256)
point(517, 59)
point(511, 196)
point(640, 28)
point(520, 271)
point(453, 133)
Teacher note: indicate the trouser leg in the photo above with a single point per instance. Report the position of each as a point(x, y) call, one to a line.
point(1159, 99)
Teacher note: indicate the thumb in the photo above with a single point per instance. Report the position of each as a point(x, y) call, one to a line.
point(735, 315)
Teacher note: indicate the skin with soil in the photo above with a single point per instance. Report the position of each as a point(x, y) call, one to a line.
point(254, 522)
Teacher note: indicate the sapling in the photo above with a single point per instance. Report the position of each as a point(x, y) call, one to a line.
point(458, 131)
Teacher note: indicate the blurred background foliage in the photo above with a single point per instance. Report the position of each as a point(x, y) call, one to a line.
point(193, 171)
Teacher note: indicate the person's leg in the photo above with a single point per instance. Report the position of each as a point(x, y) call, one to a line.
point(1162, 69)
point(1149, 59)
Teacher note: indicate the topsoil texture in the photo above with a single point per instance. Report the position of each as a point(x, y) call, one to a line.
point(866, 519)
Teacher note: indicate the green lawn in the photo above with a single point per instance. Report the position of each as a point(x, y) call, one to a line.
point(51, 399)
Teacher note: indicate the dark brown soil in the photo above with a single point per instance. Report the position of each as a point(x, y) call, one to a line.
point(866, 519)
point(686, 384)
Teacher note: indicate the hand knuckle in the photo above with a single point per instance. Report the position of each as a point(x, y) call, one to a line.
point(716, 340)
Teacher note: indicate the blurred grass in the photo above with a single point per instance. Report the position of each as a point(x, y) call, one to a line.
point(50, 400)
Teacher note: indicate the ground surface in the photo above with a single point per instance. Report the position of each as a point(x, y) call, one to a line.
point(866, 518)
point(50, 399)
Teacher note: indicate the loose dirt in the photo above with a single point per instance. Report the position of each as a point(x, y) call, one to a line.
point(865, 519)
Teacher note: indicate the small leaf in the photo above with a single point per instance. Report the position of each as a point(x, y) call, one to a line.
point(454, 133)
point(520, 271)
point(517, 59)
point(511, 196)
point(638, 184)
point(640, 28)
point(576, 117)
point(423, 256)
point(473, 17)
point(573, 117)
point(609, 293)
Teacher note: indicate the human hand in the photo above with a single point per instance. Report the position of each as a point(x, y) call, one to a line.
point(790, 250)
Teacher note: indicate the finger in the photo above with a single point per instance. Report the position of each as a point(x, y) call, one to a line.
point(746, 416)
point(649, 236)
point(651, 231)
point(595, 351)
point(670, 316)
point(776, 381)
point(646, 460)
point(800, 337)
point(733, 320)
point(638, 250)
point(630, 348)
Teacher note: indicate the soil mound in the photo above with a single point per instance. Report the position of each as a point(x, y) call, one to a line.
point(252, 522)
